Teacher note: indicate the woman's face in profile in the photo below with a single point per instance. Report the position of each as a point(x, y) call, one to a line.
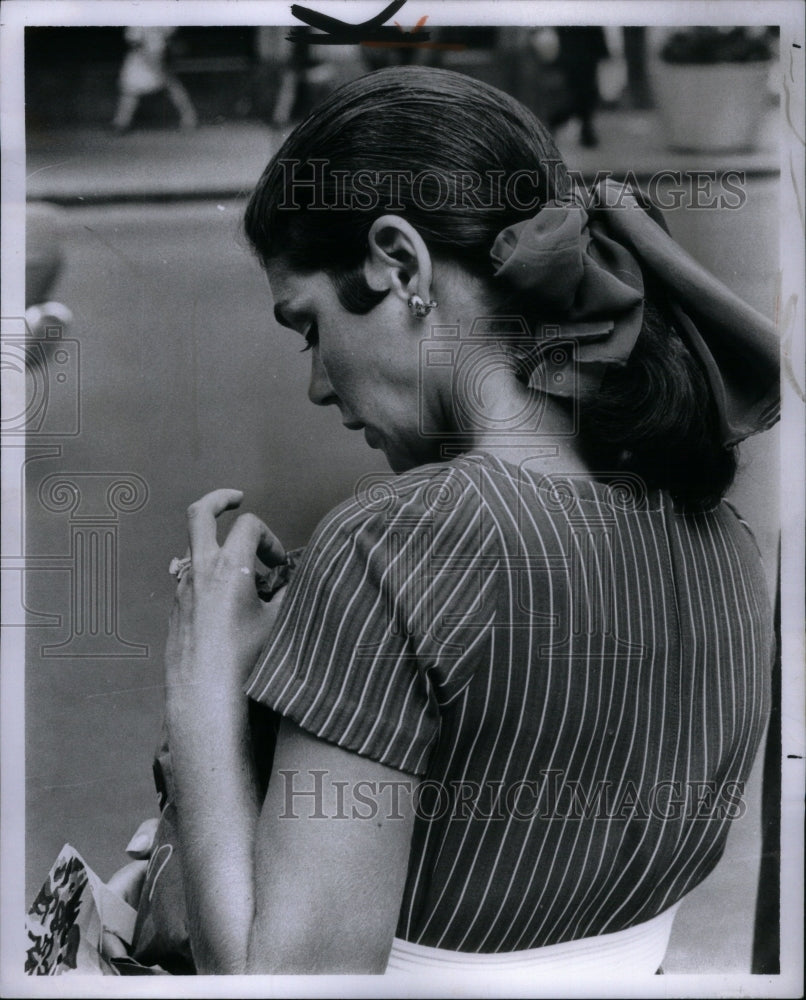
point(368, 366)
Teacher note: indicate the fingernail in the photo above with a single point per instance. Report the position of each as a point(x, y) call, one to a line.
point(139, 842)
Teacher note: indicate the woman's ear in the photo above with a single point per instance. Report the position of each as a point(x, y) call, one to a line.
point(398, 259)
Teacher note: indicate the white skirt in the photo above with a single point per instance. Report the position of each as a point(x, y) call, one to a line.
point(638, 950)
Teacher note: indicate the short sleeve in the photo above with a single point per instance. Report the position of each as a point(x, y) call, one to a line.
point(382, 619)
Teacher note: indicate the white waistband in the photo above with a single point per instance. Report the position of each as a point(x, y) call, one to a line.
point(641, 948)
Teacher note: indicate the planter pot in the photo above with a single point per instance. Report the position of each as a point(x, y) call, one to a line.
point(711, 108)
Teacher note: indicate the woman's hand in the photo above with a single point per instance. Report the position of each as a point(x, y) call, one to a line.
point(128, 881)
point(218, 627)
point(219, 624)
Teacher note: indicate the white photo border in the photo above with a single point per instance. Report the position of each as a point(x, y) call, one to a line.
point(789, 15)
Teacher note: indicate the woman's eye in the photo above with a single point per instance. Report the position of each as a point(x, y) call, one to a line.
point(311, 337)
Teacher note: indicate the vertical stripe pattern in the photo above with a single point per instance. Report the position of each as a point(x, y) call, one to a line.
point(583, 670)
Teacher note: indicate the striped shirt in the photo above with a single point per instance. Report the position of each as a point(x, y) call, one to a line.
point(577, 670)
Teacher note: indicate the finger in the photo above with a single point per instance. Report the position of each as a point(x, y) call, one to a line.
point(249, 535)
point(201, 519)
point(142, 843)
point(127, 882)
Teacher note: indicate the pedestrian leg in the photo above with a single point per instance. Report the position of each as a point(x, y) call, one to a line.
point(182, 102)
point(127, 105)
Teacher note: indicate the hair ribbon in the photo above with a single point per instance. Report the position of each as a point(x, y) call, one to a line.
point(582, 262)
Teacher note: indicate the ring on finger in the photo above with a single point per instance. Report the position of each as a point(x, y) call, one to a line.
point(179, 567)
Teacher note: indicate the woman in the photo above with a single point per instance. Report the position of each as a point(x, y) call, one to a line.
point(519, 687)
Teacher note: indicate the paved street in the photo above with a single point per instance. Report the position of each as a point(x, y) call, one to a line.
point(187, 383)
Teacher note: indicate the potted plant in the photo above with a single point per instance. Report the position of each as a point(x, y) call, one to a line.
point(711, 87)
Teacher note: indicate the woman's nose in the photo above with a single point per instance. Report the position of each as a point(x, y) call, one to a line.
point(320, 391)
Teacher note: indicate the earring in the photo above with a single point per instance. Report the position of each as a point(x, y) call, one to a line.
point(418, 308)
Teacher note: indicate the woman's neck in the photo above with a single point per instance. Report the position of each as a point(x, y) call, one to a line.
point(479, 397)
point(506, 418)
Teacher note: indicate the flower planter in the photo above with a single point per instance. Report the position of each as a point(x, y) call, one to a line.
point(711, 108)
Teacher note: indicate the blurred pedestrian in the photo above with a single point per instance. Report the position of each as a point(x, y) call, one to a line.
point(293, 94)
point(145, 71)
point(44, 260)
point(309, 74)
point(581, 49)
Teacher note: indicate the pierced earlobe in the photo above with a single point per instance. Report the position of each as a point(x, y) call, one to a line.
point(418, 308)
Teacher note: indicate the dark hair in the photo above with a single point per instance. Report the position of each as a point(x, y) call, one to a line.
point(653, 416)
point(434, 123)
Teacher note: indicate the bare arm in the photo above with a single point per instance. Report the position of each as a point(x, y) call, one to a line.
point(217, 812)
point(330, 868)
point(312, 884)
point(295, 884)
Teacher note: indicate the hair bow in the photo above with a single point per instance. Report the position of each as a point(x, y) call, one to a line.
point(582, 262)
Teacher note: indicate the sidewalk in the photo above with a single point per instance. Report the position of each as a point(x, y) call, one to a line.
point(83, 166)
